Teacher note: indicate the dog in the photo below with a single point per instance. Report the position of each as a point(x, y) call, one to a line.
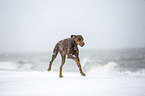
point(68, 47)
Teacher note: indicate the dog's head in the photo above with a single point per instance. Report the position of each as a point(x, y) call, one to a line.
point(78, 39)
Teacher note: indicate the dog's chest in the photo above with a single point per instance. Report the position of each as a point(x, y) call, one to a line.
point(74, 49)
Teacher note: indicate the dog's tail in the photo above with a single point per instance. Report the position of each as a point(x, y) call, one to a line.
point(55, 52)
point(56, 49)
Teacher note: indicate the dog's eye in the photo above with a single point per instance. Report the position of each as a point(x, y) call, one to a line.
point(79, 39)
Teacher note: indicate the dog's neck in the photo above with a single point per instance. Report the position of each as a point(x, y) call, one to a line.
point(74, 42)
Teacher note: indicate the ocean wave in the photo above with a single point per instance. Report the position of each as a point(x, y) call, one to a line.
point(111, 68)
point(89, 65)
point(8, 65)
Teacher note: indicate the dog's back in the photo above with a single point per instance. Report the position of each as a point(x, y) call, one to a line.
point(63, 45)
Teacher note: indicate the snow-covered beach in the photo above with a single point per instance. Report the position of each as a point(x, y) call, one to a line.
point(14, 83)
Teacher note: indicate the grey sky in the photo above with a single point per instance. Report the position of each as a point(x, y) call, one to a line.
point(37, 25)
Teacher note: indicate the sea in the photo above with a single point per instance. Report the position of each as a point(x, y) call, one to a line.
point(126, 62)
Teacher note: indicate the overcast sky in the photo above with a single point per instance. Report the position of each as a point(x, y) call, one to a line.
point(37, 25)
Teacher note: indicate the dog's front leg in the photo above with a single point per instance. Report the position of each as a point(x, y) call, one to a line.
point(79, 65)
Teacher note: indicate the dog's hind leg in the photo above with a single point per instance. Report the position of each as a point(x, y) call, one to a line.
point(62, 63)
point(55, 52)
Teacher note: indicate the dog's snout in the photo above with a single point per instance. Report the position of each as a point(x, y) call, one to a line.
point(82, 44)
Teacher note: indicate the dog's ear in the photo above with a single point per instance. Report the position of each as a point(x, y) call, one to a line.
point(73, 36)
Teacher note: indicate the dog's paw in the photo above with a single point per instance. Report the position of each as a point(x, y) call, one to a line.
point(83, 74)
point(60, 76)
point(48, 69)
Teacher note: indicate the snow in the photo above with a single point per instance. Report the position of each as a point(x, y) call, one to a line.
point(34, 83)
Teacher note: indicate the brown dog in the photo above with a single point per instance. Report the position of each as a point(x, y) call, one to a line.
point(68, 47)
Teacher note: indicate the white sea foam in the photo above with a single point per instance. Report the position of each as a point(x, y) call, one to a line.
point(97, 67)
point(9, 65)
point(111, 67)
point(14, 66)
point(90, 66)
